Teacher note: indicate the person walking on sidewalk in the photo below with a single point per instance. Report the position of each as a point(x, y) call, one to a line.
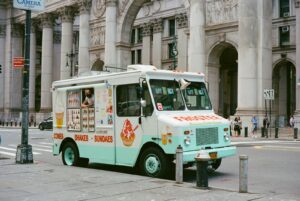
point(292, 121)
point(254, 126)
point(237, 126)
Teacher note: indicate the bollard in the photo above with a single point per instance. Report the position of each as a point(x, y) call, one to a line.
point(16, 124)
point(7, 123)
point(276, 132)
point(243, 187)
point(11, 123)
point(179, 165)
point(202, 164)
point(262, 131)
point(295, 133)
point(266, 132)
point(246, 131)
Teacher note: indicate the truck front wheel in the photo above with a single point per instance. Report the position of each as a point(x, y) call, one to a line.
point(216, 164)
point(154, 163)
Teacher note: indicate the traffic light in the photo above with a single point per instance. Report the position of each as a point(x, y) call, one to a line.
point(0, 68)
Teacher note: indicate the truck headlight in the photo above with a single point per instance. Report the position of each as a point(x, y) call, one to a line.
point(226, 137)
point(187, 141)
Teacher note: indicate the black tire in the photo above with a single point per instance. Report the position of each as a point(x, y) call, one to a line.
point(70, 155)
point(154, 163)
point(83, 162)
point(216, 164)
point(41, 127)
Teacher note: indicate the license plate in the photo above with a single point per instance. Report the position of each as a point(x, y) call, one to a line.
point(213, 155)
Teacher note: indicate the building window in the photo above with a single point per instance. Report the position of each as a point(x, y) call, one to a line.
point(140, 35)
point(284, 34)
point(284, 8)
point(172, 27)
point(133, 36)
point(139, 56)
point(132, 57)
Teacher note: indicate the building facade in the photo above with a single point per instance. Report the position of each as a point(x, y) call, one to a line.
point(242, 46)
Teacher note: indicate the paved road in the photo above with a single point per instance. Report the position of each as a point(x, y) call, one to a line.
point(273, 164)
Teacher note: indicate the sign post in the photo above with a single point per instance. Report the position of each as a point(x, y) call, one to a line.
point(24, 150)
point(269, 95)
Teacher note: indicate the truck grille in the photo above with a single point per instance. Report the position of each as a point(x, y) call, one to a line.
point(207, 136)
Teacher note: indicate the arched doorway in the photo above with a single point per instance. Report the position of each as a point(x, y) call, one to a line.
point(284, 84)
point(128, 11)
point(98, 65)
point(222, 78)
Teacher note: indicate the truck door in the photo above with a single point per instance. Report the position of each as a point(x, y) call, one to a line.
point(130, 135)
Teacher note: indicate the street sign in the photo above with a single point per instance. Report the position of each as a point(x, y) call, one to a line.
point(269, 94)
point(18, 62)
point(34, 5)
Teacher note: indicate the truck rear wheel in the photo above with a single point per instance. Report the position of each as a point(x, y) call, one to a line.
point(154, 163)
point(216, 164)
point(70, 154)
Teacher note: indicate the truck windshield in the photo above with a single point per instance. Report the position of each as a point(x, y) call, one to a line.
point(196, 96)
point(167, 95)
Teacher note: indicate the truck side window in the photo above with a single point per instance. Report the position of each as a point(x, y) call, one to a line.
point(128, 101)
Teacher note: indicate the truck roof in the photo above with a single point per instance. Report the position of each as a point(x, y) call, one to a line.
point(96, 77)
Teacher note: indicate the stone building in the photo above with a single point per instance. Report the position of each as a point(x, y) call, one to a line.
point(242, 46)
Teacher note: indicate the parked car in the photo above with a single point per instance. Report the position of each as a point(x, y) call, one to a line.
point(46, 124)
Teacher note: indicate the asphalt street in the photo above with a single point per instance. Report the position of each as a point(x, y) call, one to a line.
point(273, 164)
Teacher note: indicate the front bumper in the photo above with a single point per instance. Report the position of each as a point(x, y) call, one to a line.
point(189, 156)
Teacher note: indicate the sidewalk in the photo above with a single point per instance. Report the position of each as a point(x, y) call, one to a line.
point(41, 181)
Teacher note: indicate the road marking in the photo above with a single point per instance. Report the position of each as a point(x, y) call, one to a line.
point(46, 150)
point(278, 148)
point(10, 149)
point(46, 143)
point(41, 146)
point(7, 153)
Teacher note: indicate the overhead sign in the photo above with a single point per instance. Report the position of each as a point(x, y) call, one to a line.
point(34, 5)
point(18, 62)
point(269, 94)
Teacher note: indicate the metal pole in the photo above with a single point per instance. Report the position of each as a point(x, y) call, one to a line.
point(179, 165)
point(243, 187)
point(270, 102)
point(24, 150)
point(295, 133)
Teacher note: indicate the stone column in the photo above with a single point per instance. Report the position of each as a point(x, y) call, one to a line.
point(7, 67)
point(110, 33)
point(247, 56)
point(264, 54)
point(297, 11)
point(182, 46)
point(157, 43)
point(17, 74)
point(146, 51)
point(197, 36)
point(32, 69)
point(2, 62)
point(67, 17)
point(47, 60)
point(84, 36)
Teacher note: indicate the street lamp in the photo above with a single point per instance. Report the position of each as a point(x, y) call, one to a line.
point(70, 56)
point(174, 53)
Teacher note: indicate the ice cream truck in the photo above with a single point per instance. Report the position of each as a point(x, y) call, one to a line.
point(137, 118)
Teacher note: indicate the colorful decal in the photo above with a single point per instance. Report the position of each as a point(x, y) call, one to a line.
point(102, 138)
point(83, 138)
point(166, 138)
point(127, 133)
point(197, 118)
point(58, 136)
point(59, 119)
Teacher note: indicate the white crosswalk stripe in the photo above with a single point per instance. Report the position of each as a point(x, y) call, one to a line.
point(38, 149)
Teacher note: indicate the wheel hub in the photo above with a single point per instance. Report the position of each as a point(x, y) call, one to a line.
point(152, 164)
point(69, 156)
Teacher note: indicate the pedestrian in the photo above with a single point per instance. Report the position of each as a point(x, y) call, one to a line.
point(265, 125)
point(254, 126)
point(292, 121)
point(240, 125)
